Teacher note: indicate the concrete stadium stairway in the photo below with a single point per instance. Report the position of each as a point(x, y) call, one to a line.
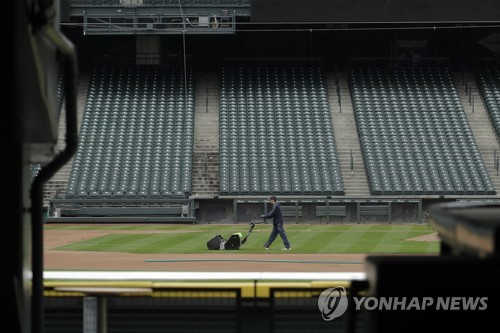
point(205, 181)
point(480, 123)
point(346, 137)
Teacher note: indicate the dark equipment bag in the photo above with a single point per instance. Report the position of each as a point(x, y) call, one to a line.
point(215, 243)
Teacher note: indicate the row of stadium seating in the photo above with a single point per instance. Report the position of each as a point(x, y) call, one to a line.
point(275, 133)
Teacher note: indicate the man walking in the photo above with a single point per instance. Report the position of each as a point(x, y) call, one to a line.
point(277, 216)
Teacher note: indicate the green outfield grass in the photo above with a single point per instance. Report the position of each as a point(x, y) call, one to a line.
point(369, 239)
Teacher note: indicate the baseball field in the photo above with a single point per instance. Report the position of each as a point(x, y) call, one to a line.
point(184, 247)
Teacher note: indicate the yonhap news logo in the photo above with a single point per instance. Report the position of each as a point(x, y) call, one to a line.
point(333, 303)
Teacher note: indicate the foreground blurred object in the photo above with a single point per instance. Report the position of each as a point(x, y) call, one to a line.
point(457, 290)
point(467, 228)
point(40, 52)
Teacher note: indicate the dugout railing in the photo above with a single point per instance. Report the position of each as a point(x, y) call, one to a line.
point(148, 306)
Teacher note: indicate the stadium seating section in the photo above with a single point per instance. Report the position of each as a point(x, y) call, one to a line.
point(414, 133)
point(276, 134)
point(136, 136)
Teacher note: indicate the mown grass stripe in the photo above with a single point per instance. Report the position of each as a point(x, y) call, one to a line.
point(171, 243)
point(327, 241)
point(108, 242)
point(386, 239)
point(304, 239)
